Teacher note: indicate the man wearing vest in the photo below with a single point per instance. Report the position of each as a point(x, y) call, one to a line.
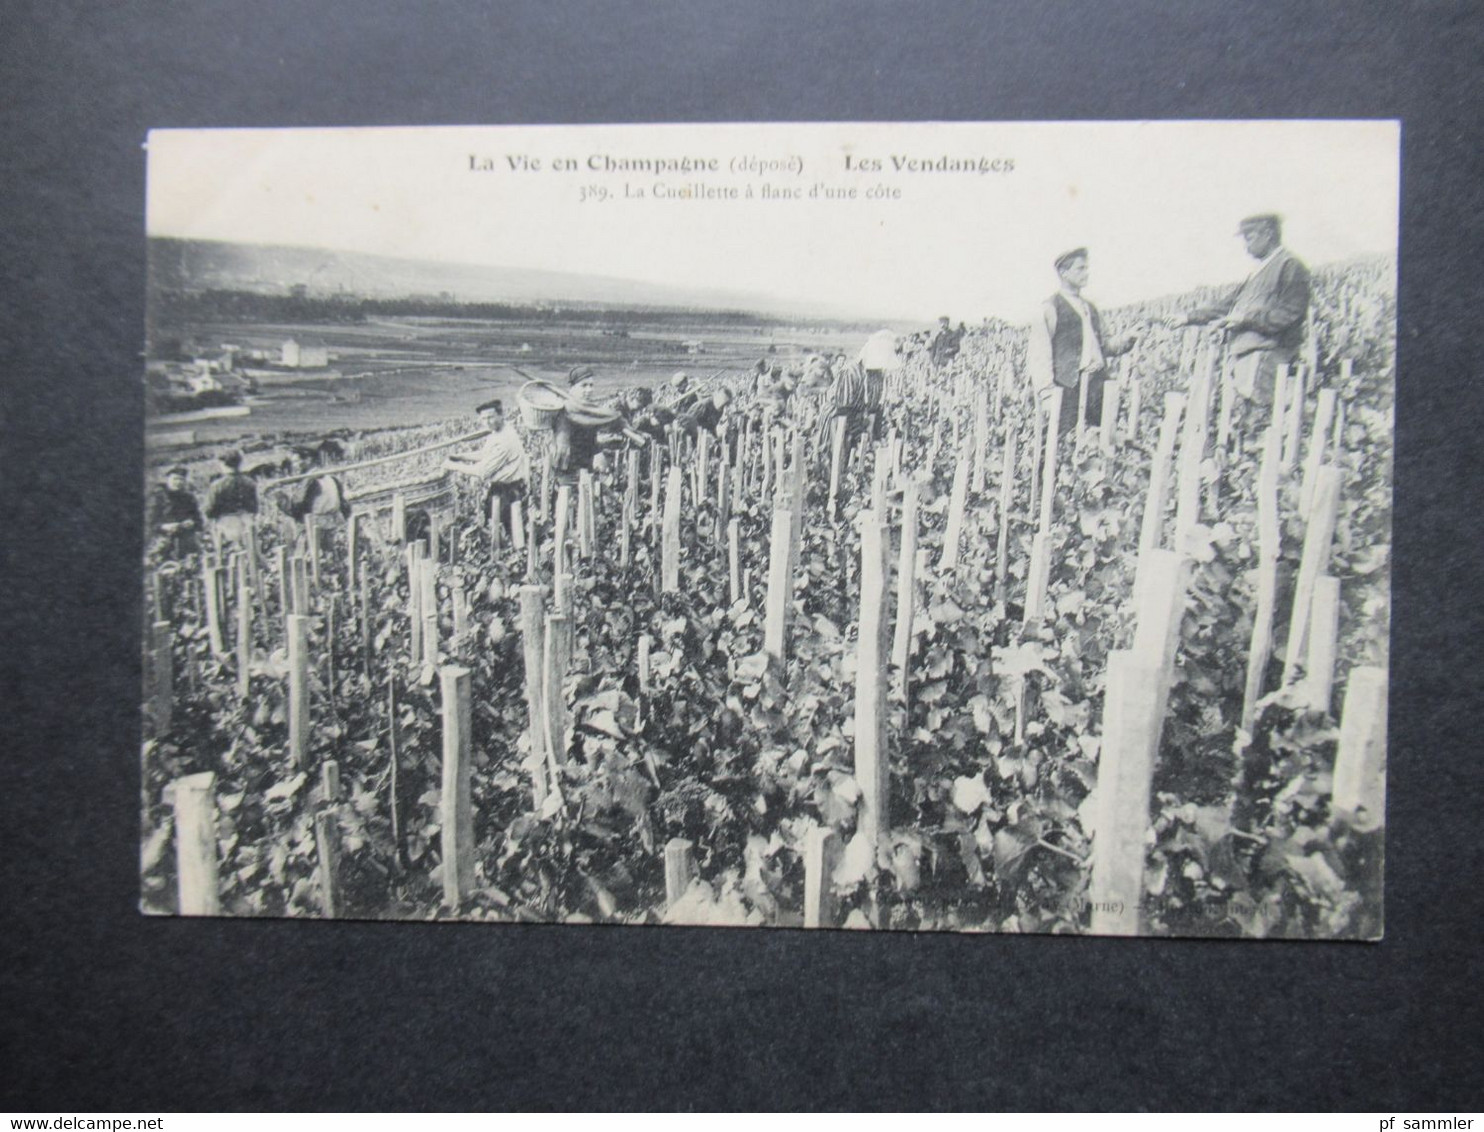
point(1067, 345)
point(1264, 317)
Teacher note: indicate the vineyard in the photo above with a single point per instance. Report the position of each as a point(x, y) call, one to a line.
point(956, 671)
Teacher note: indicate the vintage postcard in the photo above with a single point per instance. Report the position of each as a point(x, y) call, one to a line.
point(973, 527)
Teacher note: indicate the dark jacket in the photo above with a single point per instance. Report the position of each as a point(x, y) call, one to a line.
point(166, 506)
point(1066, 340)
point(1268, 309)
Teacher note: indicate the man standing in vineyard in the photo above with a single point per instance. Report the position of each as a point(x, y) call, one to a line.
point(1264, 317)
point(174, 516)
point(500, 464)
point(945, 343)
point(1067, 345)
point(231, 502)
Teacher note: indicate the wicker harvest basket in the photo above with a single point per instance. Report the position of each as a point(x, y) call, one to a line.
point(540, 404)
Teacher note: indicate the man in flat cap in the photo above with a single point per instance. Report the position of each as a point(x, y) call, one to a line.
point(231, 503)
point(501, 464)
point(1068, 345)
point(174, 516)
point(576, 444)
point(945, 344)
point(1264, 317)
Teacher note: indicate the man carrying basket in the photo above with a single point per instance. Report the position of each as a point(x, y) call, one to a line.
point(579, 425)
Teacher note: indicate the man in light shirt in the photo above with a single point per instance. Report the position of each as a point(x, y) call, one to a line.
point(500, 464)
point(1264, 317)
point(1068, 345)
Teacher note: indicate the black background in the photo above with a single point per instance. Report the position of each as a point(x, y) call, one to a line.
point(104, 1009)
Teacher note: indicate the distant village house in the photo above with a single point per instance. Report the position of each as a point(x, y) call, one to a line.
point(304, 355)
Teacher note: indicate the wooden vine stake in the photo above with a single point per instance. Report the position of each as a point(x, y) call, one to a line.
point(460, 611)
point(554, 697)
point(457, 801)
point(734, 560)
point(197, 884)
point(1226, 406)
point(796, 494)
point(871, 769)
point(1108, 421)
point(428, 582)
point(211, 584)
point(559, 533)
point(780, 579)
point(299, 571)
point(533, 545)
point(981, 439)
point(285, 586)
point(244, 637)
point(353, 539)
point(544, 510)
point(670, 544)
point(584, 514)
point(680, 867)
point(1002, 543)
point(1268, 547)
point(1161, 606)
point(518, 524)
point(1192, 453)
point(837, 451)
point(496, 528)
point(643, 663)
point(162, 669)
point(1135, 702)
point(1315, 561)
point(656, 459)
point(765, 460)
point(327, 848)
point(1039, 575)
point(414, 604)
point(533, 643)
point(723, 496)
point(1048, 480)
point(311, 543)
point(821, 850)
point(901, 649)
point(329, 781)
point(625, 547)
point(1294, 419)
point(703, 464)
point(1159, 480)
point(1318, 436)
point(298, 689)
point(957, 502)
point(399, 519)
point(1324, 630)
point(1131, 728)
point(1360, 762)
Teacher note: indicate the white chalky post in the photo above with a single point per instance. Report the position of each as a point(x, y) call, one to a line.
point(457, 802)
point(197, 883)
point(871, 769)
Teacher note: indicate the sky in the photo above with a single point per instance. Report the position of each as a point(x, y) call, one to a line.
point(1156, 202)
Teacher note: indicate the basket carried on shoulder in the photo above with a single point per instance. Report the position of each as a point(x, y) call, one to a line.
point(540, 404)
